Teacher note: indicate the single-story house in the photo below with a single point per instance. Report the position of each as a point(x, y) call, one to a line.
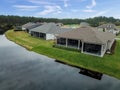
point(59, 24)
point(47, 31)
point(17, 28)
point(30, 25)
point(109, 28)
point(88, 40)
point(25, 26)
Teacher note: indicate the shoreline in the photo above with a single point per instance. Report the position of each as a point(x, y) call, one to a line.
point(61, 60)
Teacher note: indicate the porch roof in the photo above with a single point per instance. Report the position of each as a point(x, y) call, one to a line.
point(88, 34)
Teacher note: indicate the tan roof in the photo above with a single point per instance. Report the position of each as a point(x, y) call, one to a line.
point(108, 26)
point(88, 34)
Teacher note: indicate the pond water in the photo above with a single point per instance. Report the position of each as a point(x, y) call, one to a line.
point(25, 70)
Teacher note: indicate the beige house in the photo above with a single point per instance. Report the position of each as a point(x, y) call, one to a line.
point(88, 40)
point(109, 28)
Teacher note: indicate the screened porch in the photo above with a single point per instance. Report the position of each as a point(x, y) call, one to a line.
point(92, 48)
point(72, 43)
point(39, 35)
point(61, 41)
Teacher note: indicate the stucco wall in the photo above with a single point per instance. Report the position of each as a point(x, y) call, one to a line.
point(110, 44)
point(50, 37)
point(23, 28)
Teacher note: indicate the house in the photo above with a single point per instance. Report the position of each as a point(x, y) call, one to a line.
point(17, 28)
point(30, 25)
point(25, 26)
point(47, 31)
point(59, 24)
point(88, 40)
point(109, 28)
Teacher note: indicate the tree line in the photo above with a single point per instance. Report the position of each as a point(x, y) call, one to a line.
point(8, 21)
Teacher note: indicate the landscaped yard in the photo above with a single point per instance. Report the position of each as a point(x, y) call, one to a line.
point(118, 36)
point(109, 64)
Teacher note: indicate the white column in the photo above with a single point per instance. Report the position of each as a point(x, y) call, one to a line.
point(78, 44)
point(102, 50)
point(66, 42)
point(55, 40)
point(82, 46)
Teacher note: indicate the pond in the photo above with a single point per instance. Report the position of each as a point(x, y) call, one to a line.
point(25, 70)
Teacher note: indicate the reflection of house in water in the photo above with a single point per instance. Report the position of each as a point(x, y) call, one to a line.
point(90, 73)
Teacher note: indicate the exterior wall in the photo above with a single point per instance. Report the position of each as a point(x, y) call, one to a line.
point(116, 32)
point(100, 29)
point(103, 49)
point(110, 30)
point(23, 28)
point(109, 44)
point(50, 37)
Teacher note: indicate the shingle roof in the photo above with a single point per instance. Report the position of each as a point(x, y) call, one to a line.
point(34, 26)
point(88, 34)
point(108, 26)
point(27, 25)
point(50, 28)
point(31, 25)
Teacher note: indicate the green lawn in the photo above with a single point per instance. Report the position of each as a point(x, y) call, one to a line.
point(118, 36)
point(118, 27)
point(109, 64)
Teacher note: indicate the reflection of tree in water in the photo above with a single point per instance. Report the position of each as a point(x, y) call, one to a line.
point(1, 31)
point(90, 73)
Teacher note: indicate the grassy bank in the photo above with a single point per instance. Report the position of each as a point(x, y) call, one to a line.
point(109, 64)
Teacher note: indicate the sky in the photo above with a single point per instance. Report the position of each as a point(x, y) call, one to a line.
point(61, 8)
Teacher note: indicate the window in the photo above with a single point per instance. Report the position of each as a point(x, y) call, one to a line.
point(61, 41)
point(42, 35)
point(92, 48)
point(72, 42)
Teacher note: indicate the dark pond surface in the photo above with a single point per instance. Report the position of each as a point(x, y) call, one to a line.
point(24, 70)
point(2, 31)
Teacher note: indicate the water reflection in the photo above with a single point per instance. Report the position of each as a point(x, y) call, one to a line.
point(86, 72)
point(24, 70)
point(1, 31)
point(90, 73)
